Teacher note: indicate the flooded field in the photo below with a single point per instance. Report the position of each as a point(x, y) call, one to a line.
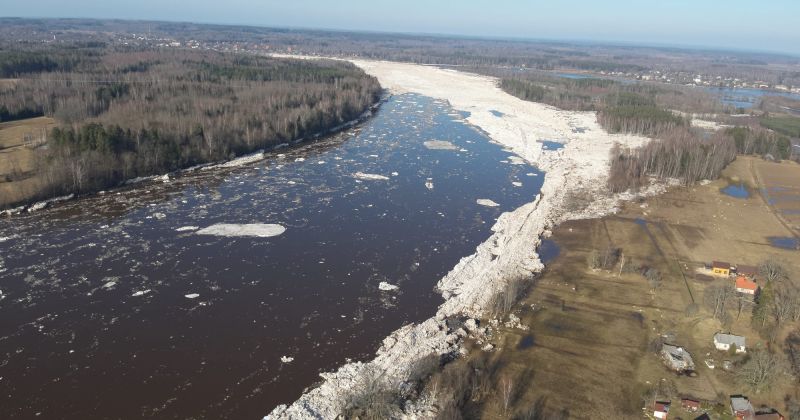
point(225, 292)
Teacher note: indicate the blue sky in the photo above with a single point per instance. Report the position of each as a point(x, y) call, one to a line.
point(769, 25)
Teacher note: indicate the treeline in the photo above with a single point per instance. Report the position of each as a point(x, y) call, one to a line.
point(758, 141)
point(596, 94)
point(137, 113)
point(627, 112)
point(681, 154)
point(676, 154)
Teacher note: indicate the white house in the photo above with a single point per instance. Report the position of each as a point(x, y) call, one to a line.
point(725, 341)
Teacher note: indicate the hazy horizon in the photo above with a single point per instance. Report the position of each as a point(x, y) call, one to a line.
point(732, 25)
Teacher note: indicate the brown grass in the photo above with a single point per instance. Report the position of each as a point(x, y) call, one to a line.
point(18, 179)
point(590, 329)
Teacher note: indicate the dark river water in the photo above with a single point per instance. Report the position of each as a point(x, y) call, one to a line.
point(95, 321)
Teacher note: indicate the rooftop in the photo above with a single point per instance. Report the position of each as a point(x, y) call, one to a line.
point(745, 283)
point(729, 339)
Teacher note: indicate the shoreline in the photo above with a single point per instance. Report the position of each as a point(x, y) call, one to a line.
point(573, 189)
point(244, 159)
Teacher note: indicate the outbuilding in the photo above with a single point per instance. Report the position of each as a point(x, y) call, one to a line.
point(721, 268)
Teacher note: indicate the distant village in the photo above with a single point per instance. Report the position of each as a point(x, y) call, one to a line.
point(670, 77)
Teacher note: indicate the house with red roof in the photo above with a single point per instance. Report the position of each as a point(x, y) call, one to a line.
point(746, 286)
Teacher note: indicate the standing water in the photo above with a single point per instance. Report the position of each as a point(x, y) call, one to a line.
point(115, 306)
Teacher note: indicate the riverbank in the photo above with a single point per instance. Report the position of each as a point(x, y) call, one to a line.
point(589, 332)
point(27, 197)
point(573, 189)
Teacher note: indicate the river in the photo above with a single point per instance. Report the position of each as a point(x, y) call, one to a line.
point(112, 306)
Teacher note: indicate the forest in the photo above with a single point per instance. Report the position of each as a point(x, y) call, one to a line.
point(129, 112)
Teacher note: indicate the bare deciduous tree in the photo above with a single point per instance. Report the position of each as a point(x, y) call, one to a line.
point(772, 270)
point(717, 299)
point(761, 370)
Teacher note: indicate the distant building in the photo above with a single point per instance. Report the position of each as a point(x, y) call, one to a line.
point(677, 358)
point(746, 286)
point(661, 409)
point(720, 267)
point(725, 341)
point(741, 408)
point(690, 405)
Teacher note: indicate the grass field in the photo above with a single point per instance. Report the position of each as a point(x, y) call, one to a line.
point(586, 353)
point(18, 178)
point(787, 125)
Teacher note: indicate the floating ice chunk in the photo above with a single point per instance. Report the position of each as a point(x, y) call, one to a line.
point(160, 216)
point(164, 178)
point(110, 284)
point(395, 174)
point(42, 204)
point(463, 150)
point(192, 296)
point(487, 202)
point(429, 184)
point(516, 184)
point(516, 160)
point(141, 293)
point(300, 159)
point(187, 228)
point(369, 177)
point(531, 174)
point(387, 287)
point(6, 238)
point(439, 145)
point(243, 160)
point(322, 162)
point(287, 359)
point(259, 230)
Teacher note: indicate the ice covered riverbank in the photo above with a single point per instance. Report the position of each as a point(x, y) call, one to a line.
point(573, 188)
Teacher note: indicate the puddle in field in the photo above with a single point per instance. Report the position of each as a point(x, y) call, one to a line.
point(526, 342)
point(785, 242)
point(548, 250)
point(736, 191)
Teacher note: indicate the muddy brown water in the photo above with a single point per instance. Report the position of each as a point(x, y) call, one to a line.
point(94, 322)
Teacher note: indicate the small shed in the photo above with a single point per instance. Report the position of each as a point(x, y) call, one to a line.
point(661, 409)
point(724, 342)
point(690, 405)
point(741, 408)
point(721, 268)
point(748, 271)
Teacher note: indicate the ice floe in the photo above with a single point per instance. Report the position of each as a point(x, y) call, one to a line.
point(260, 230)
point(487, 202)
point(439, 145)
point(287, 359)
point(192, 296)
point(187, 228)
point(387, 287)
point(369, 177)
point(141, 292)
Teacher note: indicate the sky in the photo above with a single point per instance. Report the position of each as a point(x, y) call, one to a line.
point(765, 25)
